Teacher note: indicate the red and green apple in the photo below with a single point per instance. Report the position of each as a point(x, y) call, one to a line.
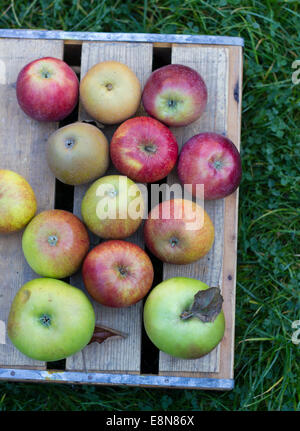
point(47, 89)
point(55, 243)
point(117, 273)
point(213, 160)
point(144, 149)
point(178, 231)
point(175, 94)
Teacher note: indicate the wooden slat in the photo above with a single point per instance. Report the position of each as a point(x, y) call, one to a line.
point(212, 63)
point(22, 149)
point(113, 355)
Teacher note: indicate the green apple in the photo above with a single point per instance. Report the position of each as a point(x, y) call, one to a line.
point(183, 317)
point(17, 202)
point(113, 207)
point(50, 320)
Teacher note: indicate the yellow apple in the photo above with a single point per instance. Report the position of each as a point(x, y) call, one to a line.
point(110, 92)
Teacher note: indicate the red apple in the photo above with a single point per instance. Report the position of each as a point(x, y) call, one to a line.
point(175, 94)
point(47, 89)
point(213, 160)
point(117, 273)
point(144, 149)
point(55, 243)
point(179, 231)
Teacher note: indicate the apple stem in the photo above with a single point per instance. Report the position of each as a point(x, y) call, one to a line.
point(186, 315)
point(150, 149)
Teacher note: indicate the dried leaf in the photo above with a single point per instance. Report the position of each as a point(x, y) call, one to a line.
point(207, 305)
point(102, 333)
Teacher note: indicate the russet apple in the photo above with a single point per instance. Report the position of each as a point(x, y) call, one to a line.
point(47, 89)
point(78, 153)
point(143, 149)
point(55, 243)
point(183, 318)
point(50, 320)
point(175, 94)
point(110, 92)
point(17, 202)
point(178, 231)
point(213, 160)
point(117, 273)
point(113, 207)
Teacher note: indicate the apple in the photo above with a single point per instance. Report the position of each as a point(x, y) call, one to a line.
point(47, 89)
point(17, 202)
point(113, 207)
point(117, 273)
point(183, 317)
point(50, 320)
point(175, 94)
point(110, 92)
point(178, 231)
point(55, 243)
point(213, 160)
point(143, 149)
point(78, 153)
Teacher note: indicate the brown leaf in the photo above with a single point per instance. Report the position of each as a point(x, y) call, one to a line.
point(207, 305)
point(102, 333)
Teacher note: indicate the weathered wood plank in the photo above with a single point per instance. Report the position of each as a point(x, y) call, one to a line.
point(113, 355)
point(213, 65)
point(22, 149)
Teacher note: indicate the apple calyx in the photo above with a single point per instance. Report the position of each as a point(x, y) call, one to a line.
point(173, 242)
point(206, 307)
point(123, 271)
point(46, 74)
point(69, 143)
point(45, 320)
point(217, 163)
point(52, 240)
point(102, 333)
point(172, 103)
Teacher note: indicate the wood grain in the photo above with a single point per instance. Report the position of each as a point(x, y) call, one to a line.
point(213, 65)
point(22, 149)
point(115, 354)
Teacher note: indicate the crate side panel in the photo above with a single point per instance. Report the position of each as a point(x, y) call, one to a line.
point(230, 227)
point(114, 354)
point(22, 149)
point(212, 64)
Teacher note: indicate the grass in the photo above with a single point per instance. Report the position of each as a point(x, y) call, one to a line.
point(267, 370)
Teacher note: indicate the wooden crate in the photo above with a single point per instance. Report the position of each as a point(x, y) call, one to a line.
point(133, 361)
